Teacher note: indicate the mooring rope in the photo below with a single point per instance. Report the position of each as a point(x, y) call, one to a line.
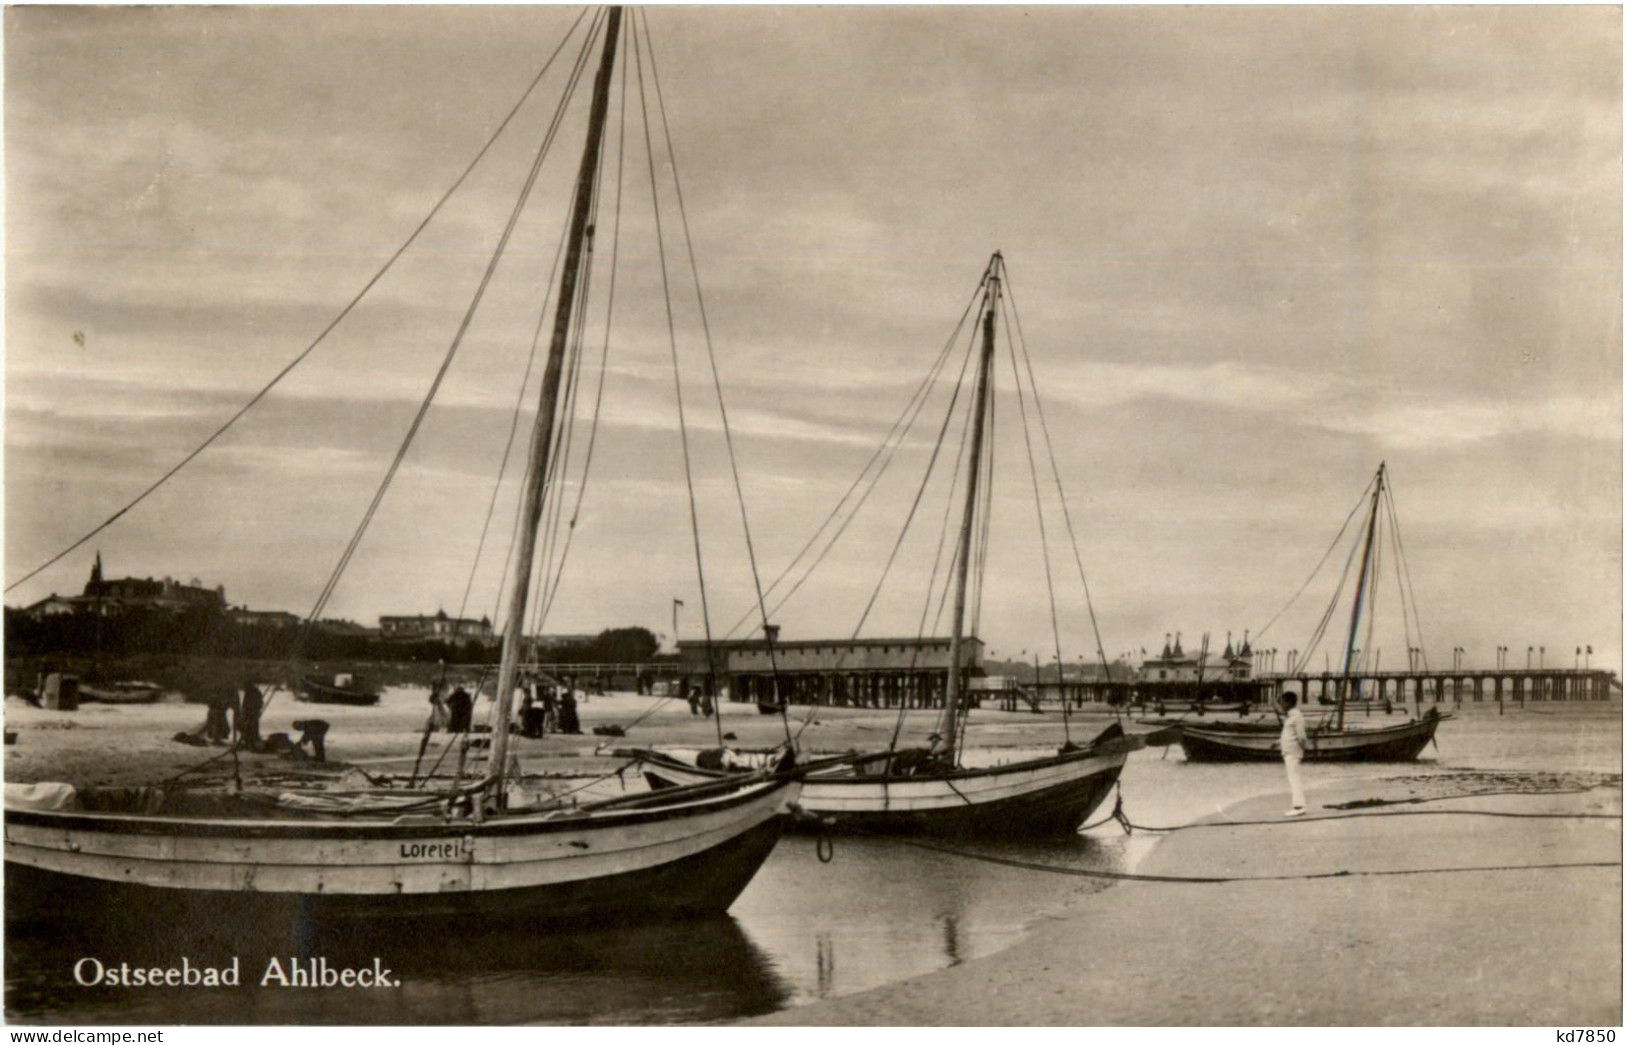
point(1128, 827)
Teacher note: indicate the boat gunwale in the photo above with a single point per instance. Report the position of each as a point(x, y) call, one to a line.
point(372, 829)
point(1245, 729)
point(956, 774)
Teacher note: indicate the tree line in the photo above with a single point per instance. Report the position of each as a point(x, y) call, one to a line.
point(206, 633)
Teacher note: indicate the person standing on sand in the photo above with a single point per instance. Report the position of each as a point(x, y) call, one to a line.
point(249, 709)
point(460, 711)
point(1294, 738)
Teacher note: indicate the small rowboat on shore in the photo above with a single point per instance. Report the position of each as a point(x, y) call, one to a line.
point(343, 689)
point(121, 693)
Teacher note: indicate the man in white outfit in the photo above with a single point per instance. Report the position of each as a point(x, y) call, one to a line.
point(1294, 738)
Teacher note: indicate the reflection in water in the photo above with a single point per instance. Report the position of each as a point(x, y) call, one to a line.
point(803, 930)
point(884, 910)
point(679, 972)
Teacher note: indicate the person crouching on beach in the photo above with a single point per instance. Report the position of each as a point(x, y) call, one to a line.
point(1294, 738)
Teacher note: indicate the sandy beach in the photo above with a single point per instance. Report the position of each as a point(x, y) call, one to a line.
point(1439, 900)
point(126, 745)
point(1452, 906)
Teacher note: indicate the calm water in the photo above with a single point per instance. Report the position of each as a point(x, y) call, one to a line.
point(880, 912)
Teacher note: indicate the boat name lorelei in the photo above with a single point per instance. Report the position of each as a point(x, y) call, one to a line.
point(448, 850)
point(311, 972)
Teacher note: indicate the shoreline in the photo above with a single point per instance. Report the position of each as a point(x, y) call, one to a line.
point(1386, 909)
point(1137, 953)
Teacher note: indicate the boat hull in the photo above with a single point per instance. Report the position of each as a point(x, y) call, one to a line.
point(312, 692)
point(117, 695)
point(1238, 743)
point(692, 857)
point(1036, 797)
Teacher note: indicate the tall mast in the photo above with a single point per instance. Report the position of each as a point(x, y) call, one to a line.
point(541, 436)
point(984, 374)
point(1359, 594)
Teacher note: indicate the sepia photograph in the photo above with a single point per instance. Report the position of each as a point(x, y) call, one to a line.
point(864, 516)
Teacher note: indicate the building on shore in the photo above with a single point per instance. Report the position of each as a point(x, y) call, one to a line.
point(263, 618)
point(458, 631)
point(540, 646)
point(113, 598)
point(878, 673)
point(1175, 665)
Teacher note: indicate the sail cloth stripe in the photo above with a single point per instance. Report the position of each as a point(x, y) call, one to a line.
point(710, 350)
point(445, 365)
point(344, 312)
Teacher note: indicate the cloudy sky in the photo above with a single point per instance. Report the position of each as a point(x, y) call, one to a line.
point(1255, 253)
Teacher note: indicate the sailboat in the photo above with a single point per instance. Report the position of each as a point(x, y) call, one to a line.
point(1336, 739)
point(481, 849)
point(932, 791)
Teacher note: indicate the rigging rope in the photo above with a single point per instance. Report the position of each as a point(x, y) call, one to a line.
point(603, 356)
point(910, 414)
point(710, 351)
point(677, 382)
point(1404, 570)
point(942, 541)
point(1129, 826)
point(1043, 542)
point(1055, 471)
point(440, 374)
point(1328, 554)
point(936, 450)
point(328, 329)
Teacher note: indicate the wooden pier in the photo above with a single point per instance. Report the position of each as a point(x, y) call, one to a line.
point(1453, 686)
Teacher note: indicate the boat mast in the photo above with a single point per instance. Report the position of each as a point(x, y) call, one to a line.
point(541, 436)
point(1359, 594)
point(984, 374)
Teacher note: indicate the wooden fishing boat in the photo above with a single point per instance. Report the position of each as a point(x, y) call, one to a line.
point(1334, 739)
point(918, 790)
point(1261, 741)
point(466, 850)
point(339, 689)
point(877, 792)
point(689, 851)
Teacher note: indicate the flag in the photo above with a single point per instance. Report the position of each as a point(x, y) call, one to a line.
point(1588, 651)
point(677, 602)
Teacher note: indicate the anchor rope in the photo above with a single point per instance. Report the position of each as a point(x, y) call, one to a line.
point(1129, 826)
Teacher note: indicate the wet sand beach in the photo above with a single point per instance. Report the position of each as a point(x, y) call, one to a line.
point(1402, 914)
point(993, 944)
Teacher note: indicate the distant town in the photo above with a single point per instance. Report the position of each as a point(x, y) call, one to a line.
point(127, 615)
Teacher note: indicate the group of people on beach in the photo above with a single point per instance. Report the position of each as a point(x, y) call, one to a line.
point(233, 718)
point(544, 708)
